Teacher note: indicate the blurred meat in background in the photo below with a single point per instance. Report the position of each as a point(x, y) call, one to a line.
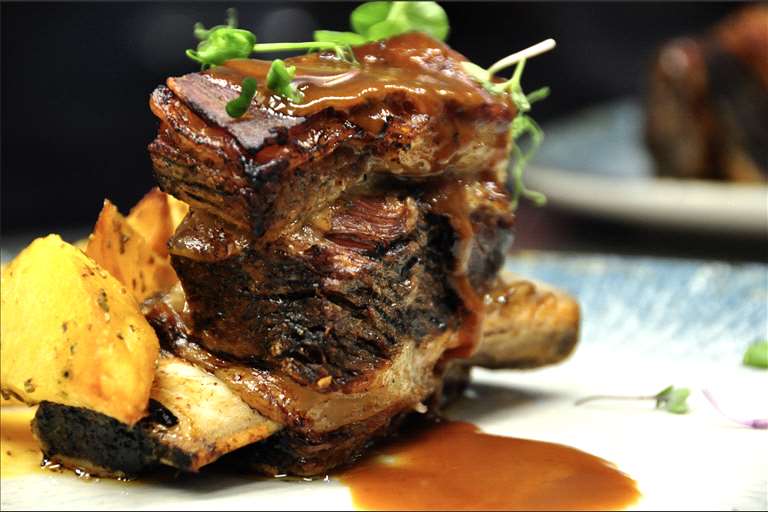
point(707, 111)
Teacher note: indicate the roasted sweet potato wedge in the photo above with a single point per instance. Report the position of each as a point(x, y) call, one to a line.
point(155, 218)
point(73, 334)
point(121, 250)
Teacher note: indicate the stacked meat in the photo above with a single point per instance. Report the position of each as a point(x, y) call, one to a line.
point(337, 262)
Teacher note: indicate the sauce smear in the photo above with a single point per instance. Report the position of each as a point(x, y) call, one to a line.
point(20, 453)
point(453, 465)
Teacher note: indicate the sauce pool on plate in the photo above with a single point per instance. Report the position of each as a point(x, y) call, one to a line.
point(448, 465)
point(452, 465)
point(20, 453)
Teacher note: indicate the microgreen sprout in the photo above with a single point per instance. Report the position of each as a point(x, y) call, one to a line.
point(201, 33)
point(342, 50)
point(757, 354)
point(756, 423)
point(239, 106)
point(523, 125)
point(226, 43)
point(372, 21)
point(223, 42)
point(279, 80)
point(670, 399)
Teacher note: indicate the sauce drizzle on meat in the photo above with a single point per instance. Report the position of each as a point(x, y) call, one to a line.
point(411, 63)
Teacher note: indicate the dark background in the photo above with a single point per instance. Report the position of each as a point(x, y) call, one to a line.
point(76, 78)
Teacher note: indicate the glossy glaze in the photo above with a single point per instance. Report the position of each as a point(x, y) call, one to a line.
point(413, 64)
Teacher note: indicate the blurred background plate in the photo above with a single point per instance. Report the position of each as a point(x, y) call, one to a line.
point(595, 163)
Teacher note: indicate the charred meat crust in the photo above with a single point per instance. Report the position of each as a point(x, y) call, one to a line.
point(185, 427)
point(207, 168)
point(527, 325)
point(101, 445)
point(252, 171)
point(295, 453)
point(402, 383)
point(309, 167)
point(329, 309)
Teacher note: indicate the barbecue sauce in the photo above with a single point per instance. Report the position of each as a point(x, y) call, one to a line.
point(417, 65)
point(449, 198)
point(20, 451)
point(452, 465)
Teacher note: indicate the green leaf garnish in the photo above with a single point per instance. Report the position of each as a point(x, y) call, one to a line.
point(426, 17)
point(279, 80)
point(201, 33)
point(222, 44)
point(367, 15)
point(372, 21)
point(386, 29)
point(379, 20)
point(523, 125)
point(239, 106)
point(757, 354)
point(342, 50)
point(670, 399)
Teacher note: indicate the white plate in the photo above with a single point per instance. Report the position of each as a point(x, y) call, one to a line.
point(596, 163)
point(647, 323)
